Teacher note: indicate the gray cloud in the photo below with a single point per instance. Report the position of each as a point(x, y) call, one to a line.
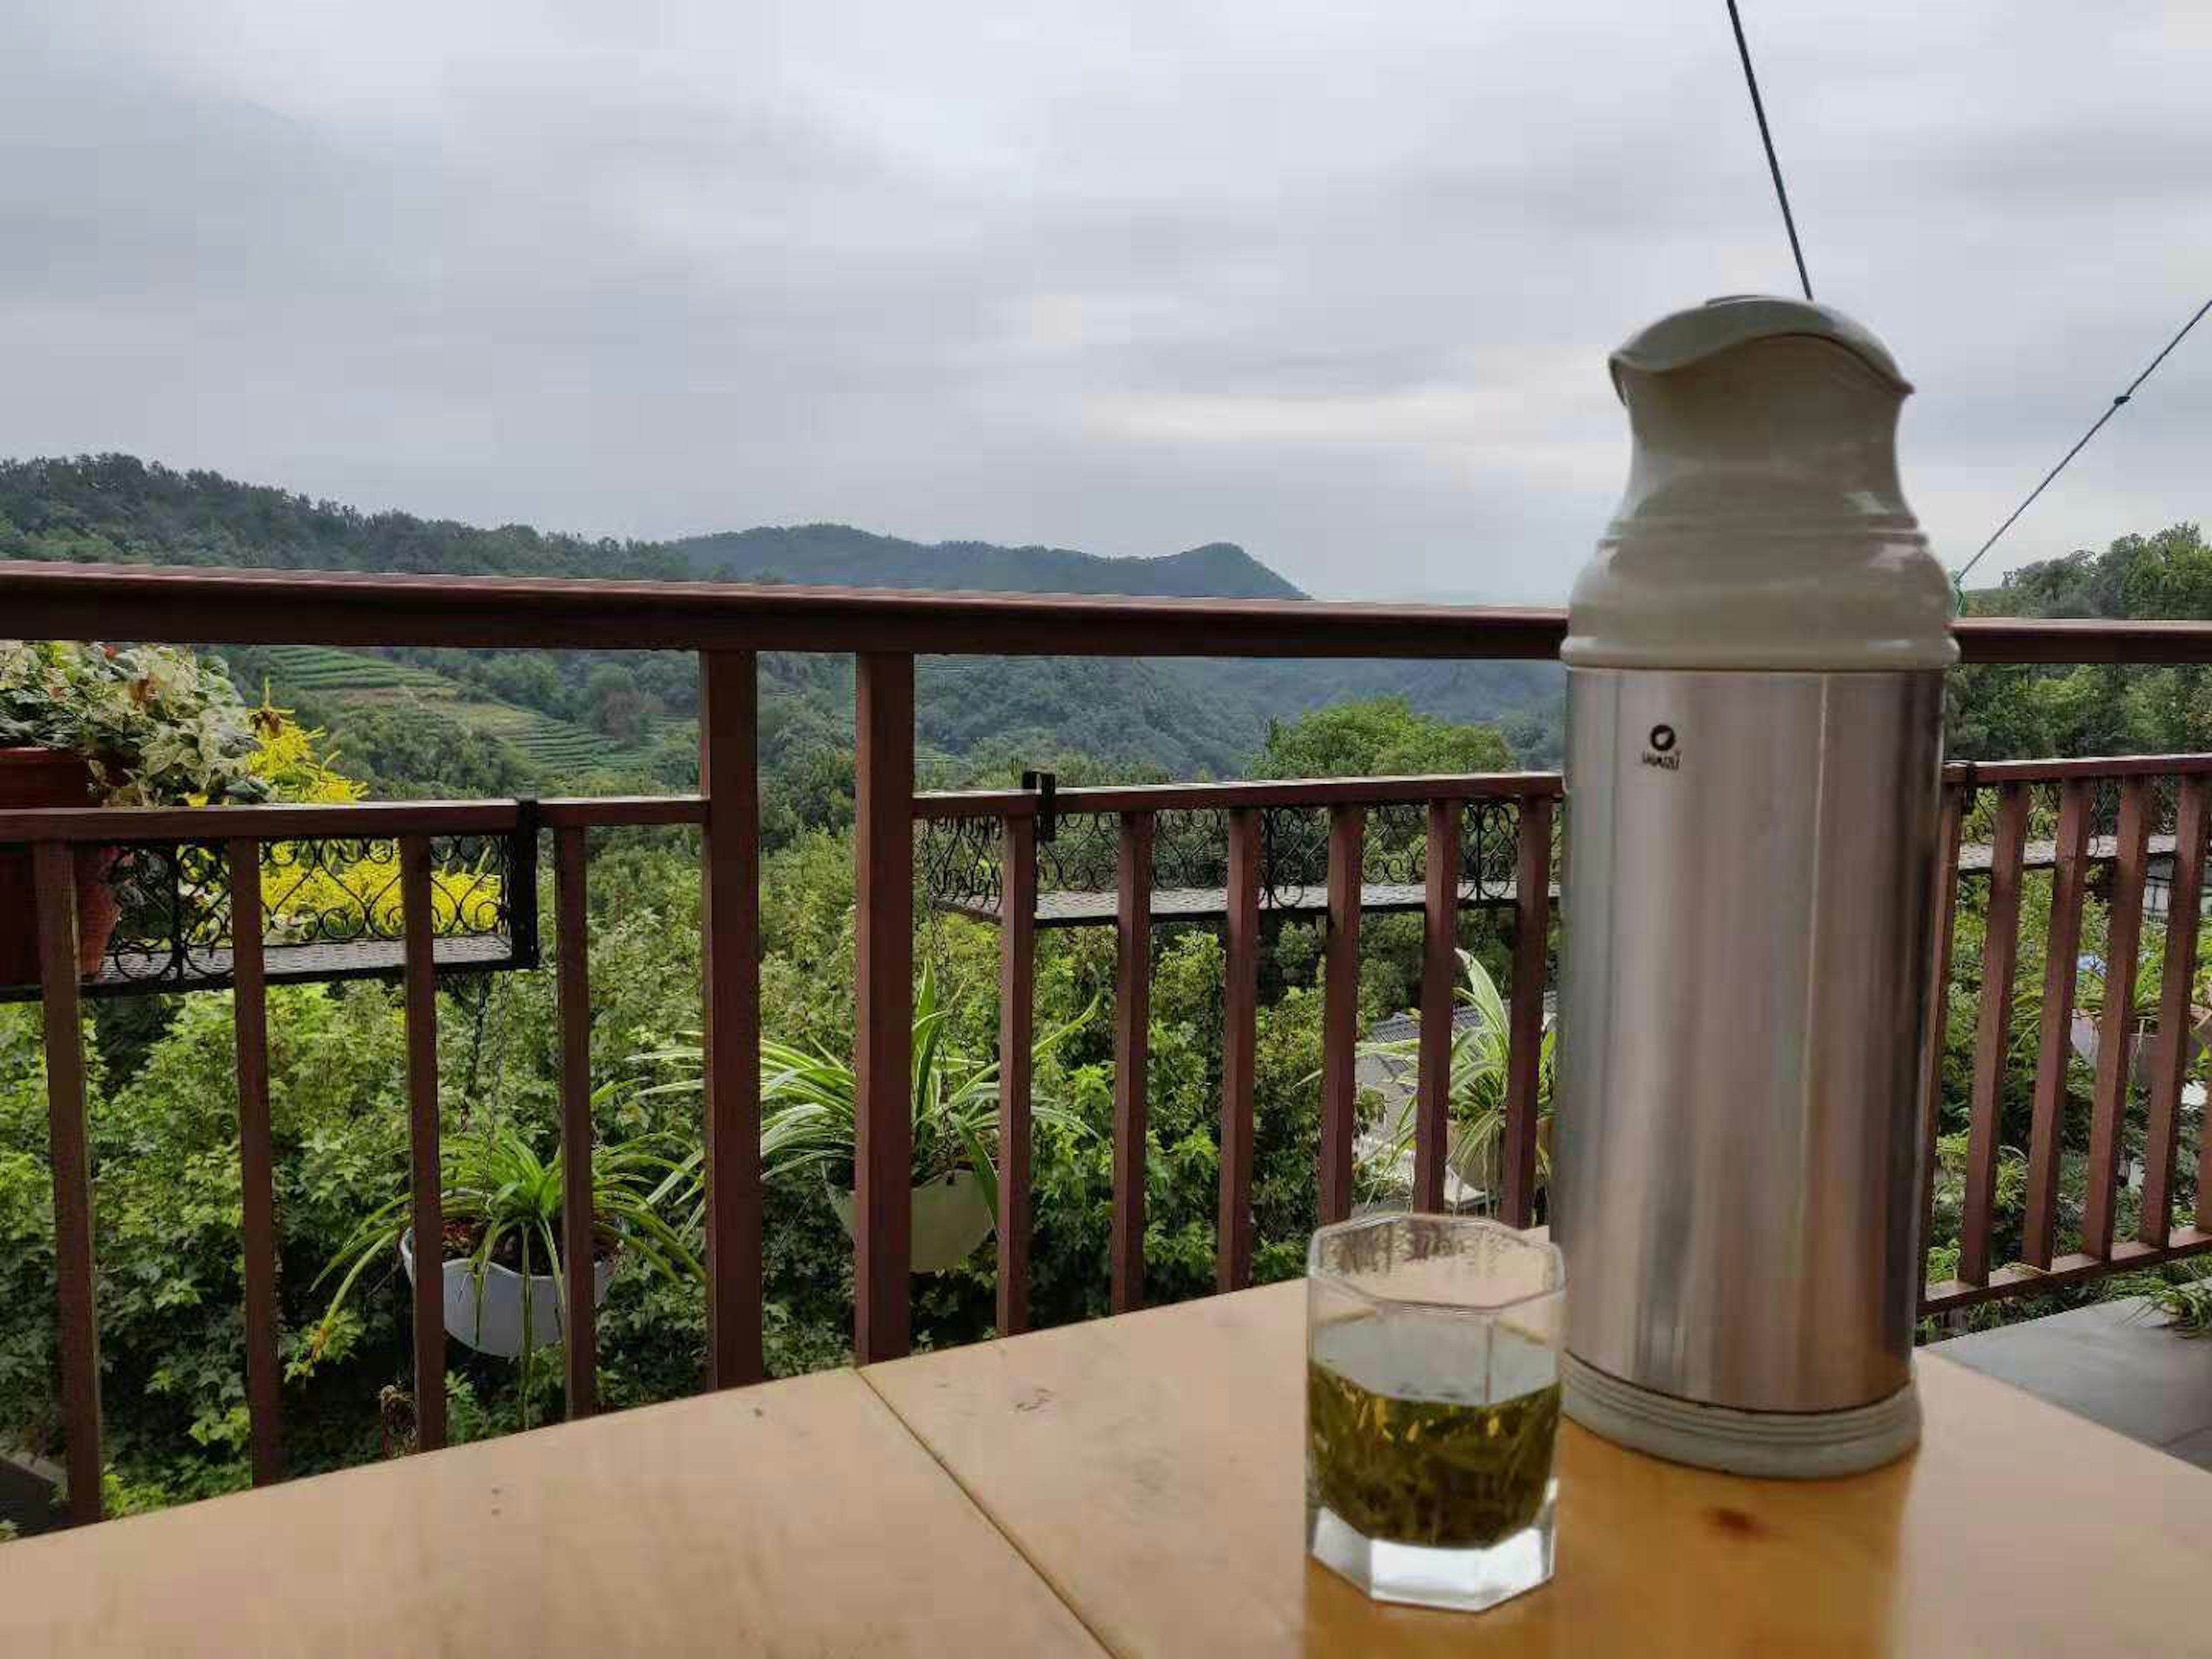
point(1336, 283)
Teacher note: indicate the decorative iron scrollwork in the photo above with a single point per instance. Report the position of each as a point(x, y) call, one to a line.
point(331, 909)
point(962, 867)
point(1078, 872)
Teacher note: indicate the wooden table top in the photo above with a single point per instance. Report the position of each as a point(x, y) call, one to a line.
point(1150, 1467)
point(793, 1518)
point(1135, 1481)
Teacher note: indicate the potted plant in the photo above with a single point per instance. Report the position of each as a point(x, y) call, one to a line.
point(1479, 1049)
point(2144, 1041)
point(505, 1291)
point(809, 1117)
point(94, 724)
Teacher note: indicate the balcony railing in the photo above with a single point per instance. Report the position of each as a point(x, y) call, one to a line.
point(1504, 861)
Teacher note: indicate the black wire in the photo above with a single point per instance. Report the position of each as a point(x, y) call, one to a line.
point(2080, 443)
point(1765, 137)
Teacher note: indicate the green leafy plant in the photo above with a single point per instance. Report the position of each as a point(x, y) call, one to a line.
point(502, 1204)
point(1480, 1051)
point(158, 726)
point(809, 1098)
point(2187, 1305)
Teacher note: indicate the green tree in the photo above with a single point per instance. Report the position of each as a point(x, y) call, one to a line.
point(1382, 737)
point(614, 705)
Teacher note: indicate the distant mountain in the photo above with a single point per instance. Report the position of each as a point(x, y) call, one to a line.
point(1177, 717)
point(838, 554)
point(117, 507)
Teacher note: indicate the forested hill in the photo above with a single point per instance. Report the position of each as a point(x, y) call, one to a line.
point(573, 719)
point(837, 554)
point(117, 507)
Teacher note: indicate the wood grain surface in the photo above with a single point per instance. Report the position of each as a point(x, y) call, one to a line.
point(794, 1518)
point(1150, 1467)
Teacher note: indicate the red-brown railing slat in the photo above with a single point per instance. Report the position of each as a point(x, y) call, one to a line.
point(2116, 1030)
point(883, 1038)
point(1240, 1012)
point(1937, 1018)
point(2000, 956)
point(424, 1176)
point(1531, 929)
point(2062, 958)
point(580, 1323)
point(1018, 884)
point(1339, 1054)
point(257, 1165)
point(1439, 979)
point(53, 869)
point(729, 957)
point(2177, 1015)
point(1132, 1019)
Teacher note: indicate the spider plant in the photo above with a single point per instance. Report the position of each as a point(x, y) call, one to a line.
point(1478, 1054)
point(809, 1101)
point(503, 1202)
point(2187, 1306)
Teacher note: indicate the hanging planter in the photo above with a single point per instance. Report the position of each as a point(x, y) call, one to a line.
point(810, 1106)
point(951, 1216)
point(500, 1200)
point(2145, 1041)
point(485, 1309)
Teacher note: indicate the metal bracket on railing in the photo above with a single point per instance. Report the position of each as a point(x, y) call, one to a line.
point(1044, 786)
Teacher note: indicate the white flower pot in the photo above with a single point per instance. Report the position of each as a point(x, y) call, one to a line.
point(492, 1324)
point(951, 1216)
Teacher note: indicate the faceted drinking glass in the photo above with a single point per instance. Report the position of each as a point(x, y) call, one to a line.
point(1432, 1407)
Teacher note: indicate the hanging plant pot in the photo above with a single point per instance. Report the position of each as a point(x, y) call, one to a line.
point(51, 777)
point(2143, 1045)
point(952, 1215)
point(491, 1322)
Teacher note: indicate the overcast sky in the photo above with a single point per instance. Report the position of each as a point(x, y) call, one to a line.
point(1335, 281)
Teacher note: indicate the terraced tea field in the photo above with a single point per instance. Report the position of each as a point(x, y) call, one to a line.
point(561, 750)
point(325, 668)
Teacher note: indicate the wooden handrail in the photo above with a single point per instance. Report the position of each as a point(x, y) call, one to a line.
point(258, 607)
point(1203, 797)
point(112, 825)
point(194, 605)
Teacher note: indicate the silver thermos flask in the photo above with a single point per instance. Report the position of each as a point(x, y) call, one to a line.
point(1756, 663)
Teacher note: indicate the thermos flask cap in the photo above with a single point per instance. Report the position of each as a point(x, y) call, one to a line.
point(1763, 526)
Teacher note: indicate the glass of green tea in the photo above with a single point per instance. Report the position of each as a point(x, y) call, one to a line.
point(1432, 1407)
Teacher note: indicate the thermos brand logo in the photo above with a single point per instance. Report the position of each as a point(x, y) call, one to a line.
point(1661, 753)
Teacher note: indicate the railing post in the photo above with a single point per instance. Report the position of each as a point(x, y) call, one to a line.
point(730, 953)
point(2175, 1017)
point(2055, 1045)
point(578, 1240)
point(424, 1171)
point(2000, 956)
point(53, 869)
point(883, 1003)
point(1133, 1021)
point(1017, 1039)
point(257, 1176)
point(2116, 1030)
point(1240, 1006)
point(1439, 979)
point(1524, 1058)
point(1339, 1053)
